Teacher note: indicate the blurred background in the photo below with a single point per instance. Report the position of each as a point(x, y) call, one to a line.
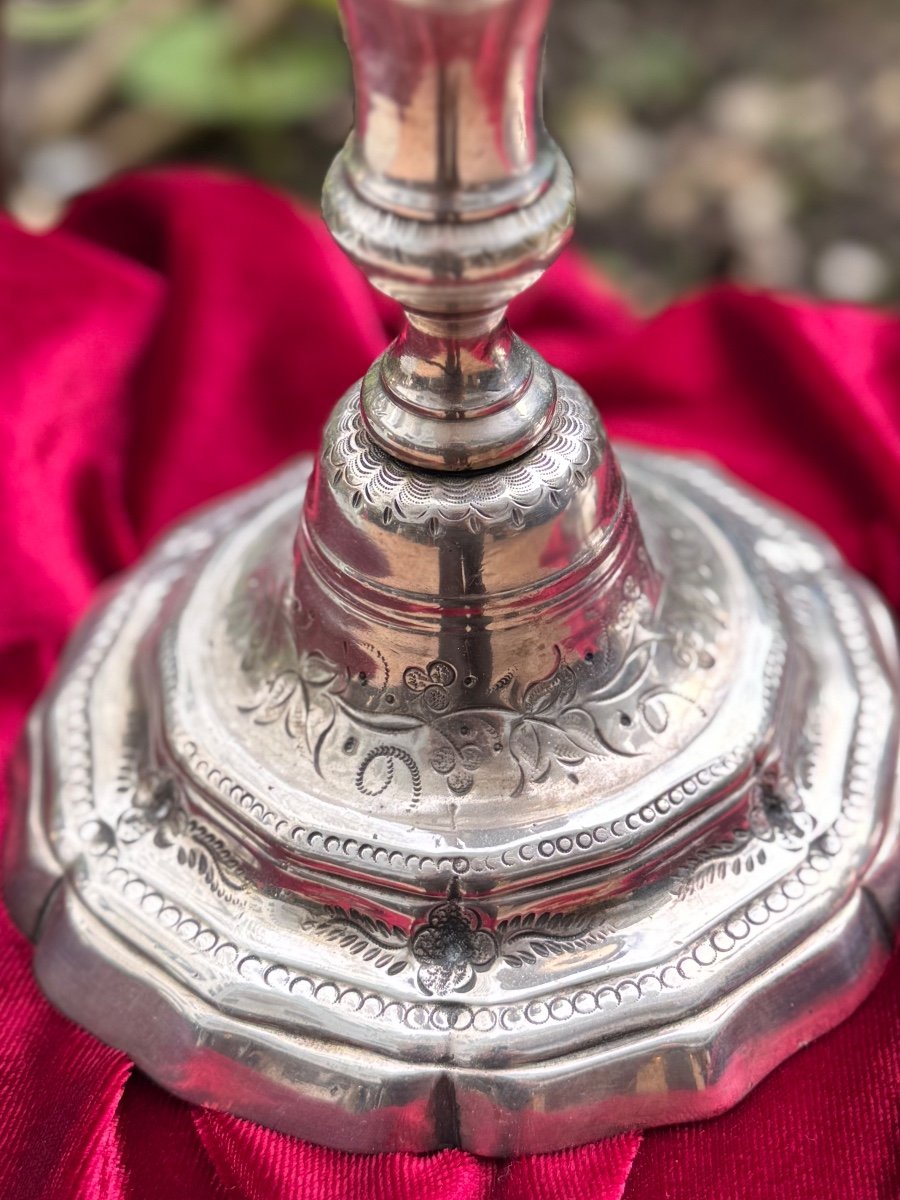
point(711, 139)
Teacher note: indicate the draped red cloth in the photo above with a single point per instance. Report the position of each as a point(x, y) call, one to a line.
point(183, 334)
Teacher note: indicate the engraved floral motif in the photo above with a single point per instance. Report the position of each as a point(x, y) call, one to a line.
point(611, 703)
point(455, 942)
point(375, 941)
point(157, 810)
point(777, 813)
point(433, 682)
point(464, 742)
point(635, 607)
point(689, 650)
point(450, 948)
point(862, 767)
point(775, 816)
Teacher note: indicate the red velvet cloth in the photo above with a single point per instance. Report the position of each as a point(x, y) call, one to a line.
point(182, 335)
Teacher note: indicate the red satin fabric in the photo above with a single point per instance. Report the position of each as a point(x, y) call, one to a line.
point(184, 334)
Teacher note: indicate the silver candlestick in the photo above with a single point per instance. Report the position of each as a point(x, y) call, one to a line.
point(447, 790)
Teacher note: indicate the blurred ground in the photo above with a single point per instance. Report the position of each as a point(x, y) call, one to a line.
point(711, 139)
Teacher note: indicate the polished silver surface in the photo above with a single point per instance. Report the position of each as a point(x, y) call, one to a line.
point(372, 916)
point(452, 198)
point(502, 807)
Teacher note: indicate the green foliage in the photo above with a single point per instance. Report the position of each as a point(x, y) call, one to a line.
point(39, 21)
point(193, 67)
point(659, 71)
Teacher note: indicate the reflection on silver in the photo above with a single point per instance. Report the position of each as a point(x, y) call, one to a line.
point(499, 805)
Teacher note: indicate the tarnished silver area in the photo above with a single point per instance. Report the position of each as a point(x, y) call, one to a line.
point(502, 806)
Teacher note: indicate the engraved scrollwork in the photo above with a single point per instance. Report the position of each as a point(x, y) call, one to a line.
point(612, 702)
point(384, 757)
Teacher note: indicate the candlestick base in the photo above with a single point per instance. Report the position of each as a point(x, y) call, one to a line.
point(613, 896)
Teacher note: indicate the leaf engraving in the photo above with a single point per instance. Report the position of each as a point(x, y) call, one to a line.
point(438, 725)
point(527, 938)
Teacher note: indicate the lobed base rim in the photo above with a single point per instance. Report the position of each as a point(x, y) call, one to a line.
point(297, 1069)
point(298, 1084)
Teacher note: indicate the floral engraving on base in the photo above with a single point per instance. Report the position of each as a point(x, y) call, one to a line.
point(776, 816)
point(450, 948)
point(618, 698)
point(157, 810)
point(455, 942)
point(375, 941)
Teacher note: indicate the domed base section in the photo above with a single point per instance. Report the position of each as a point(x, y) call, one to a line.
point(369, 913)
